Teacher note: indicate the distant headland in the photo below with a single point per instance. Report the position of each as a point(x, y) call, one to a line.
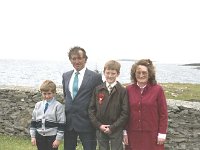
point(193, 64)
point(126, 60)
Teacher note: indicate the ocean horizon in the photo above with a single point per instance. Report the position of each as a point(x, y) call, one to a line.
point(33, 72)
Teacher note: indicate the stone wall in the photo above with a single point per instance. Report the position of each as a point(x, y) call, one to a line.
point(17, 103)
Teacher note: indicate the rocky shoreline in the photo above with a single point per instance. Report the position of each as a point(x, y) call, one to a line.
point(17, 103)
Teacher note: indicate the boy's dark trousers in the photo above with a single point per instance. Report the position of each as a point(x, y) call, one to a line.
point(110, 142)
point(45, 142)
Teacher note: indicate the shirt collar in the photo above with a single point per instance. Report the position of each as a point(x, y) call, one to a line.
point(112, 85)
point(81, 71)
point(49, 101)
point(142, 87)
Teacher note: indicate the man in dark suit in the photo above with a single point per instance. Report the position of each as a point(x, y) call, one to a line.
point(78, 85)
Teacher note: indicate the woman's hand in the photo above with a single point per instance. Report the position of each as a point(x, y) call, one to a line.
point(160, 141)
point(125, 139)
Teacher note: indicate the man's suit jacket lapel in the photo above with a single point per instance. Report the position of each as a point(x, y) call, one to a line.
point(86, 78)
point(68, 77)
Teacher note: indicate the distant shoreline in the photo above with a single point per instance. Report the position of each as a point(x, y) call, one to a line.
point(127, 60)
point(193, 64)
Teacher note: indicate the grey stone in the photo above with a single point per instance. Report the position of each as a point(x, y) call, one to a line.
point(17, 104)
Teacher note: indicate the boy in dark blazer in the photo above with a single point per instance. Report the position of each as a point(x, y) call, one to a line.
point(78, 85)
point(108, 109)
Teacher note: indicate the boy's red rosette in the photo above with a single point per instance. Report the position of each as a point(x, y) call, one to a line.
point(100, 98)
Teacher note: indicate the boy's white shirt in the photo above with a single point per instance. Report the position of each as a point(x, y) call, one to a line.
point(112, 85)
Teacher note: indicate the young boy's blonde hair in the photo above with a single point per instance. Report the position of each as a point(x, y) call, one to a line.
point(48, 85)
point(112, 65)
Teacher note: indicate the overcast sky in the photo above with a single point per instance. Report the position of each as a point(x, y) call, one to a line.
point(164, 31)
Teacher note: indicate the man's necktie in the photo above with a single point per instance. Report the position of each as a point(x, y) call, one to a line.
point(75, 84)
point(46, 107)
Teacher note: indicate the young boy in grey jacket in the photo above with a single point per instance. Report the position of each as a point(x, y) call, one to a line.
point(48, 119)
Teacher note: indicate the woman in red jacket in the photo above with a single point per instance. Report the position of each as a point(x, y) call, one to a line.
point(148, 117)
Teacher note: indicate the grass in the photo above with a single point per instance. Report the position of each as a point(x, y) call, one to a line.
point(182, 91)
point(21, 143)
point(17, 143)
point(178, 91)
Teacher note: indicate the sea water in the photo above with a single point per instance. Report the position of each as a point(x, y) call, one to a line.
point(33, 73)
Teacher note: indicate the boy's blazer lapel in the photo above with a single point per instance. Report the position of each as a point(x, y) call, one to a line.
point(107, 99)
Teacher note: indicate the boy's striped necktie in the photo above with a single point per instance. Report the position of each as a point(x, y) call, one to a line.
point(110, 88)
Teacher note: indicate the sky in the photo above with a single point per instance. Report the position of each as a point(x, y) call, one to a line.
point(163, 31)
